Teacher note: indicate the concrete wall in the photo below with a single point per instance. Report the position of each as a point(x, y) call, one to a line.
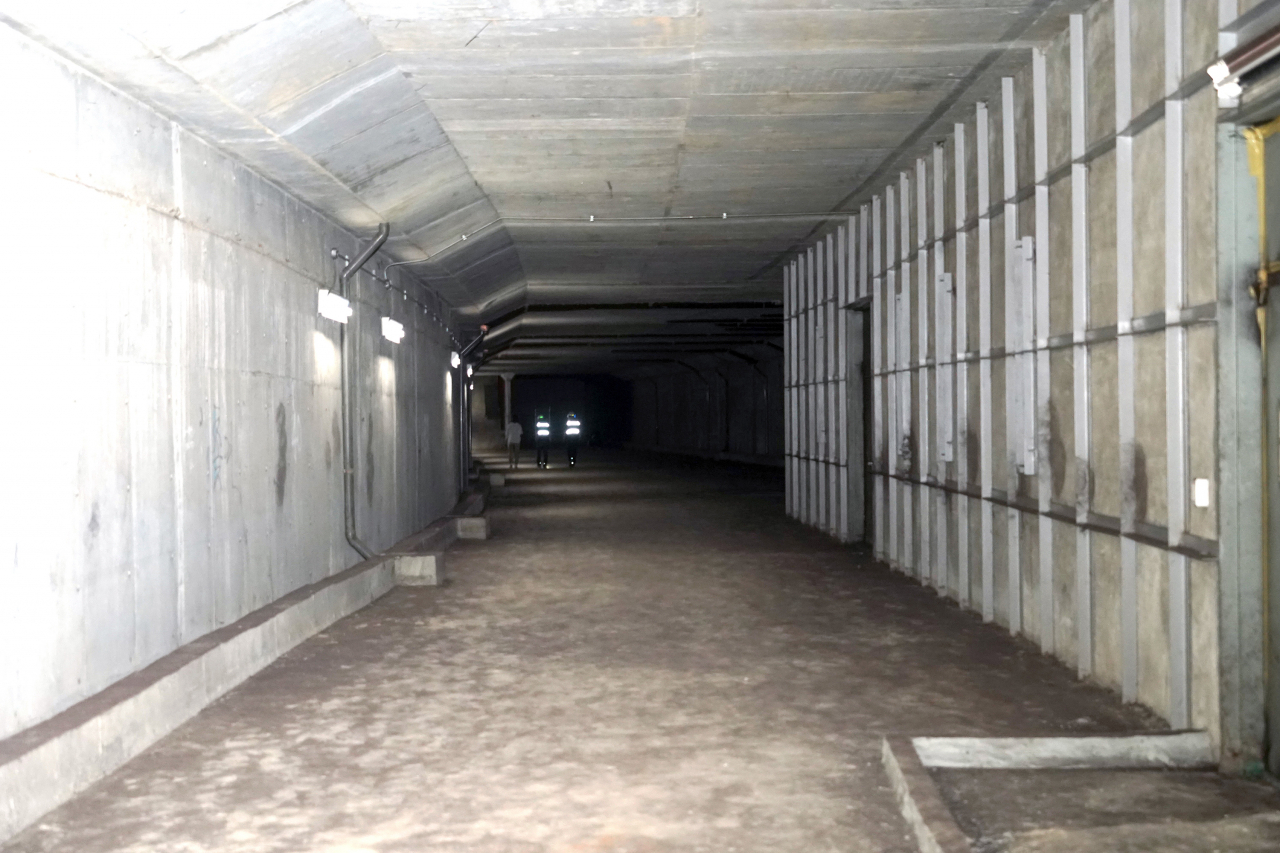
point(719, 407)
point(171, 398)
point(1044, 347)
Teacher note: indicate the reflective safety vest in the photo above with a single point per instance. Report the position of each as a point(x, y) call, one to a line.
point(544, 428)
point(572, 427)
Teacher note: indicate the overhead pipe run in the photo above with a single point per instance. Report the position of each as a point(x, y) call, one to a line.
point(1228, 72)
point(346, 345)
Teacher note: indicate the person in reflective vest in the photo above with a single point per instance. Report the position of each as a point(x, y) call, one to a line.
point(542, 438)
point(572, 435)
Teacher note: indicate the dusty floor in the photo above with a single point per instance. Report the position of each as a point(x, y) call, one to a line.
point(640, 660)
point(1117, 811)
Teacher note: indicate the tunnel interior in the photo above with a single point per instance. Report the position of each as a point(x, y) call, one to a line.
point(911, 467)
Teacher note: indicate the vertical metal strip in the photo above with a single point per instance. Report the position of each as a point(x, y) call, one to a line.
point(961, 310)
point(797, 415)
point(815, 376)
point(895, 390)
point(884, 297)
point(943, 371)
point(1175, 375)
point(864, 256)
point(792, 395)
point(1228, 11)
point(816, 387)
point(791, 389)
point(1044, 477)
point(810, 337)
point(806, 359)
point(1125, 353)
point(923, 445)
point(984, 358)
point(786, 384)
point(845, 257)
point(908, 426)
point(1014, 393)
point(833, 430)
point(822, 384)
point(1080, 351)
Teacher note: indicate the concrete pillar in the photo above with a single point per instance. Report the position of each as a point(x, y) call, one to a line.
point(506, 398)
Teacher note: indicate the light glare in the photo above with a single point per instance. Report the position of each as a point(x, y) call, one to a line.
point(334, 307)
point(392, 331)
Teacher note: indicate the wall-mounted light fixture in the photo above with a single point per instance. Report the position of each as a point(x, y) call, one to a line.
point(334, 307)
point(455, 359)
point(391, 330)
point(470, 371)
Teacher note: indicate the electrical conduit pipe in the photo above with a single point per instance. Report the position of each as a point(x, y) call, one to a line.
point(347, 346)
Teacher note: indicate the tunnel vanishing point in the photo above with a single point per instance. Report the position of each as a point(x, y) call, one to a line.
point(896, 463)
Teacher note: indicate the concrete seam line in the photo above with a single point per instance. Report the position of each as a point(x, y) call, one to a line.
point(1175, 750)
point(918, 800)
point(40, 779)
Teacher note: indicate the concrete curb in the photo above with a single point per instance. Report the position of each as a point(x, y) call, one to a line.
point(1165, 751)
point(47, 764)
point(918, 799)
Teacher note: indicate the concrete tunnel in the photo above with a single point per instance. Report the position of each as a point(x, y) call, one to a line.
point(927, 484)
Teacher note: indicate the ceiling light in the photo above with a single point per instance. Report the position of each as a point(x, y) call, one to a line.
point(334, 307)
point(391, 330)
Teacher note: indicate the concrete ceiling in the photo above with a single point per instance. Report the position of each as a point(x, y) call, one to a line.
point(513, 122)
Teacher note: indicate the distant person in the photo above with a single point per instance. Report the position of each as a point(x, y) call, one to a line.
point(515, 432)
point(572, 437)
point(542, 438)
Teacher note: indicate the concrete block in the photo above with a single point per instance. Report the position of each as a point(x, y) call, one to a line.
point(1153, 629)
point(1204, 647)
point(1148, 220)
point(419, 569)
point(473, 527)
point(497, 479)
point(1106, 610)
point(1104, 460)
point(1100, 64)
point(1102, 240)
point(1064, 594)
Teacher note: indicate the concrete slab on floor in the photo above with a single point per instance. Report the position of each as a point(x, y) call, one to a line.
point(1111, 811)
point(639, 658)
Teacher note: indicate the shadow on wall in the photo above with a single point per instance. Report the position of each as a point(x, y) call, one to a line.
point(486, 415)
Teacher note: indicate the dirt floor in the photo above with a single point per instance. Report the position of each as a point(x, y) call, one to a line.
point(643, 658)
